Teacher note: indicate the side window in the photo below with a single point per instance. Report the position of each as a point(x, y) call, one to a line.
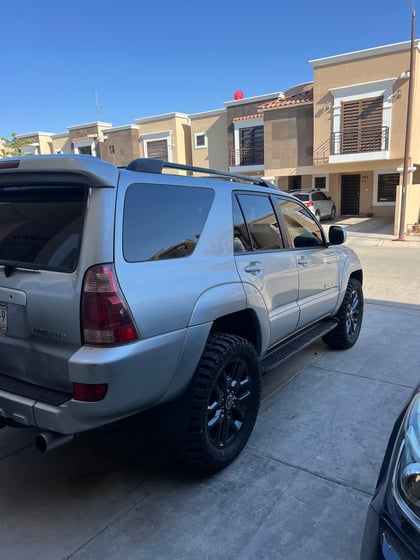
point(163, 221)
point(301, 227)
point(261, 221)
point(241, 240)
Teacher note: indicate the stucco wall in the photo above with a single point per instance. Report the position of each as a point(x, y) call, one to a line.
point(215, 154)
point(121, 145)
point(288, 137)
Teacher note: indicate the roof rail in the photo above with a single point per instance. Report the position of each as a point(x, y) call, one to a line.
point(150, 165)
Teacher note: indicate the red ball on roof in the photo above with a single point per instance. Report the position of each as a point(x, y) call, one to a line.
point(238, 95)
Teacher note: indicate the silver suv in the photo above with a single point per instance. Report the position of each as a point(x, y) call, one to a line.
point(321, 205)
point(125, 289)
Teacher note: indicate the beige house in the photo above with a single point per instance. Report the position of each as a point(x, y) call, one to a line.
point(345, 132)
point(209, 139)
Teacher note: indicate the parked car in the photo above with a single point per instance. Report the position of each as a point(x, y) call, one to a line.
point(318, 203)
point(392, 529)
point(125, 289)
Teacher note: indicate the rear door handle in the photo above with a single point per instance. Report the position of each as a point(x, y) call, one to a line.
point(303, 261)
point(254, 267)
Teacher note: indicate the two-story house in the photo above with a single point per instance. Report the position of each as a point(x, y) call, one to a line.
point(354, 146)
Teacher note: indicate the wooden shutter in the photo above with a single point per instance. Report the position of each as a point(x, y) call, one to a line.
point(157, 149)
point(362, 125)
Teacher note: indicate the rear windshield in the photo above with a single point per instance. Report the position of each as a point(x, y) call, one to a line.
point(303, 197)
point(40, 226)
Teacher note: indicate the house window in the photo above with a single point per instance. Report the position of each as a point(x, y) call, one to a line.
point(84, 146)
point(387, 186)
point(361, 120)
point(362, 126)
point(320, 182)
point(157, 145)
point(251, 145)
point(200, 140)
point(248, 146)
point(29, 149)
point(157, 149)
point(295, 182)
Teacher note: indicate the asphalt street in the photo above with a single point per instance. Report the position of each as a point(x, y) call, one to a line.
point(300, 489)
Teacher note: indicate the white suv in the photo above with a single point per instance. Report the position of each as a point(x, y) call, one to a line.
point(321, 205)
point(125, 289)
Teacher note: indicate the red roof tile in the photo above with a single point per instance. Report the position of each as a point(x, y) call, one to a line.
point(245, 117)
point(297, 99)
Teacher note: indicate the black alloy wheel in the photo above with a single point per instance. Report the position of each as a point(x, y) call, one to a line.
point(225, 402)
point(349, 318)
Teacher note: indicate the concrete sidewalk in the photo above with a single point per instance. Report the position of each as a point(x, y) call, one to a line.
point(375, 232)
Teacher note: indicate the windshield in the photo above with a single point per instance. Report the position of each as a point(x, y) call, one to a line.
point(40, 226)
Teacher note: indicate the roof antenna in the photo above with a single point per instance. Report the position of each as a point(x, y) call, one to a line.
point(99, 108)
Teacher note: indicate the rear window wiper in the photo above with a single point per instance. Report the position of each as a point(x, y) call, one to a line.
point(11, 266)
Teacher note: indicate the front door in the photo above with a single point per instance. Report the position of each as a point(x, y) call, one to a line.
point(268, 270)
point(350, 195)
point(317, 262)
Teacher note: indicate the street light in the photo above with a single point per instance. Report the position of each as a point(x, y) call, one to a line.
point(406, 169)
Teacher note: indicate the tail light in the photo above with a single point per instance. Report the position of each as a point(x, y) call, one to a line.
point(89, 392)
point(105, 316)
point(309, 204)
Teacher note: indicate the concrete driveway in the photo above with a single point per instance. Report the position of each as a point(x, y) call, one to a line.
point(300, 490)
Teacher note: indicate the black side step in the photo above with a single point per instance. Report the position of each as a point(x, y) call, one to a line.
point(293, 345)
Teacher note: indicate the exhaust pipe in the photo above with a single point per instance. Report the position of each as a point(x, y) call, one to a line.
point(47, 441)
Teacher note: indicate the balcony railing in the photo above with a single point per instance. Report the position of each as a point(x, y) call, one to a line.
point(247, 156)
point(360, 141)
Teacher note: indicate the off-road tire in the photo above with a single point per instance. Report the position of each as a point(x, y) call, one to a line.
point(349, 318)
point(225, 401)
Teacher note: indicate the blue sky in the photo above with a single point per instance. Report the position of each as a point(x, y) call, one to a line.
point(148, 58)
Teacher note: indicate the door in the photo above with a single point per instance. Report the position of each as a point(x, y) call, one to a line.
point(317, 262)
point(264, 264)
point(350, 195)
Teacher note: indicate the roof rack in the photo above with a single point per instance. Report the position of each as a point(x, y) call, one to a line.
point(150, 165)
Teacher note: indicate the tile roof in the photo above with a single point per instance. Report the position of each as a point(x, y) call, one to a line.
point(245, 117)
point(297, 99)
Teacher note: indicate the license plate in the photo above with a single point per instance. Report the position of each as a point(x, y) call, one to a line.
point(3, 317)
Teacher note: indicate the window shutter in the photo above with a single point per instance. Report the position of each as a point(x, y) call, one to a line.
point(157, 149)
point(362, 125)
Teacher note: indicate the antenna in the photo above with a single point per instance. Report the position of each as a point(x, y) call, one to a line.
point(99, 108)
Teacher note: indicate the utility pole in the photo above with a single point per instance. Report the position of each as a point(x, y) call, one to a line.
point(406, 170)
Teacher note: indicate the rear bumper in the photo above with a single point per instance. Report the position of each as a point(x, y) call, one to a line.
point(138, 375)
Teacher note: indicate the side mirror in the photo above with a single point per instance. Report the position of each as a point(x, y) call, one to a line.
point(337, 235)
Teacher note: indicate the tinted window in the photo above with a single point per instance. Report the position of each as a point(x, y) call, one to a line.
point(163, 221)
point(241, 240)
point(319, 196)
point(303, 197)
point(261, 221)
point(41, 225)
point(302, 229)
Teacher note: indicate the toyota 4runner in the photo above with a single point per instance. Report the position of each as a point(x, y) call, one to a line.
point(122, 289)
